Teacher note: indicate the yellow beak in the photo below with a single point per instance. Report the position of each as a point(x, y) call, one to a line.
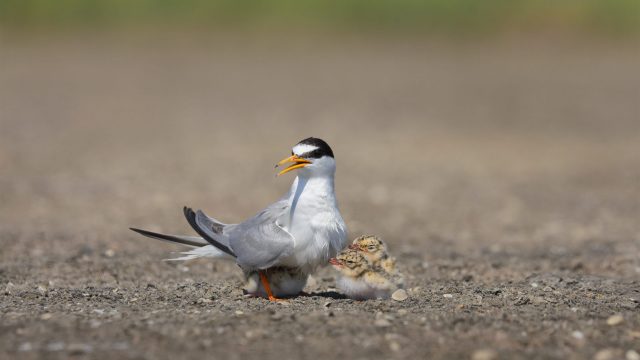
point(298, 163)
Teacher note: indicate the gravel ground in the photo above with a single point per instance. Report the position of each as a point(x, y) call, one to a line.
point(504, 176)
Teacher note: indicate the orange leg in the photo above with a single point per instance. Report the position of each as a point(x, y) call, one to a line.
point(267, 287)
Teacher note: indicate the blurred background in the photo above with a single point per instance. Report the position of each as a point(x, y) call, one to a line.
point(446, 116)
point(465, 131)
point(139, 107)
point(484, 123)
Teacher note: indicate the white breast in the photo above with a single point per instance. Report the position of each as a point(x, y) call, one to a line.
point(315, 223)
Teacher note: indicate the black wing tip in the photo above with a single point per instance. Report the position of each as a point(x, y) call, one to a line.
point(190, 215)
point(171, 238)
point(144, 232)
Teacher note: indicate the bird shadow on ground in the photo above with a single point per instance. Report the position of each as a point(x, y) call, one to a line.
point(326, 294)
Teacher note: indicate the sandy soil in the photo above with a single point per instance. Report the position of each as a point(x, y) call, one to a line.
point(505, 177)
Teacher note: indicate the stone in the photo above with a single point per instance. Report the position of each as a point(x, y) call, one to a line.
point(484, 354)
point(399, 295)
point(614, 320)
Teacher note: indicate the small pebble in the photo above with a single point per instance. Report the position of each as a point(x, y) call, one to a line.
point(239, 312)
point(394, 346)
point(607, 354)
point(55, 346)
point(399, 295)
point(632, 355)
point(534, 285)
point(484, 354)
point(25, 347)
point(382, 322)
point(615, 320)
point(94, 324)
point(8, 288)
point(46, 316)
point(578, 335)
point(448, 296)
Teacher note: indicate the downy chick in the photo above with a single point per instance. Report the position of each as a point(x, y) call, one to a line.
point(375, 251)
point(359, 279)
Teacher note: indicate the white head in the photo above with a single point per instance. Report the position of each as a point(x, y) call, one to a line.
point(313, 157)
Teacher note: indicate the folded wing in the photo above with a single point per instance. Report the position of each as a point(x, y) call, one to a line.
point(260, 242)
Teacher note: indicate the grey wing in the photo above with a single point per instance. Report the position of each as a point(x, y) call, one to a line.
point(260, 241)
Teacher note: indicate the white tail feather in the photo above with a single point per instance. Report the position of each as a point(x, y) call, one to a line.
point(208, 251)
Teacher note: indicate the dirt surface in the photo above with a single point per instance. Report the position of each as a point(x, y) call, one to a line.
point(504, 176)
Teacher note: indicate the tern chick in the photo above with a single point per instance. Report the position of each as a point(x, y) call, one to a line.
point(360, 279)
point(375, 251)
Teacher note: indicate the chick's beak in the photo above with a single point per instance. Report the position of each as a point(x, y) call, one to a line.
point(298, 163)
point(335, 262)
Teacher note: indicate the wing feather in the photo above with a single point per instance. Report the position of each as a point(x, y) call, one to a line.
point(202, 227)
point(181, 239)
point(260, 242)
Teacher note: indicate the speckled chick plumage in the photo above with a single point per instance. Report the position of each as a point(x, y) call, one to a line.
point(374, 249)
point(361, 280)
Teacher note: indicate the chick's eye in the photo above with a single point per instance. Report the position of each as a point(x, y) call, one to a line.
point(372, 248)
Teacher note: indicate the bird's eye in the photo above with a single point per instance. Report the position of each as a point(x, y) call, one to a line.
point(371, 248)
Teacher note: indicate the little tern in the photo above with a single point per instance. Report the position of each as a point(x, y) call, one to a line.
point(289, 239)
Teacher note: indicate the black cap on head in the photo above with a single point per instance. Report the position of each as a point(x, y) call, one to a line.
point(312, 148)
